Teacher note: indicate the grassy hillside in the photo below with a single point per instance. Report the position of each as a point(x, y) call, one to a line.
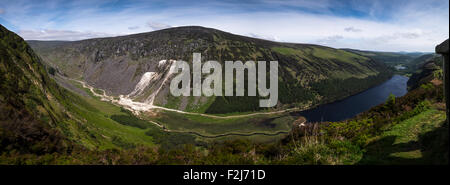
point(38, 116)
point(95, 128)
point(418, 140)
point(427, 71)
point(29, 104)
point(418, 62)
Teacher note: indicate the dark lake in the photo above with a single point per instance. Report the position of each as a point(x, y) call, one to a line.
point(353, 105)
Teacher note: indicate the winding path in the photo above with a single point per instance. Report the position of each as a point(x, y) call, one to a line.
point(105, 97)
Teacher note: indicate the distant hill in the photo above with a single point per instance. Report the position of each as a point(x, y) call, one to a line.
point(404, 63)
point(429, 69)
point(418, 62)
point(388, 57)
point(308, 74)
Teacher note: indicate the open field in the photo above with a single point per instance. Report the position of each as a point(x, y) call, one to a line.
point(192, 128)
point(207, 126)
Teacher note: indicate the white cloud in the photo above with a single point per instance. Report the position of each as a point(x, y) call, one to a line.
point(133, 27)
point(411, 27)
point(318, 5)
point(2, 11)
point(157, 26)
point(352, 29)
point(265, 37)
point(408, 35)
point(330, 39)
point(60, 35)
point(308, 28)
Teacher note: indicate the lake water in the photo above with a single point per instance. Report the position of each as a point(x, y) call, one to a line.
point(353, 105)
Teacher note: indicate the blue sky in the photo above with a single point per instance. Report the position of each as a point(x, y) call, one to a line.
point(382, 25)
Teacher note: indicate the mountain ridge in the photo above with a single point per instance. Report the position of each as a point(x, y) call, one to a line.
point(306, 70)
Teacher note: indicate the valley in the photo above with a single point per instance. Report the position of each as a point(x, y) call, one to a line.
point(199, 124)
point(107, 101)
point(128, 72)
point(116, 65)
point(210, 117)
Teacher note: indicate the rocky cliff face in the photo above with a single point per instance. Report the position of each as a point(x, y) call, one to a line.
point(133, 66)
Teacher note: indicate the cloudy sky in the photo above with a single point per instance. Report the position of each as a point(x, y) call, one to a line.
point(382, 25)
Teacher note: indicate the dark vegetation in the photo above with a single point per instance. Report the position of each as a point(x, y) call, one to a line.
point(130, 120)
point(51, 71)
point(418, 62)
point(166, 140)
point(25, 110)
point(172, 140)
point(334, 89)
point(428, 70)
point(226, 104)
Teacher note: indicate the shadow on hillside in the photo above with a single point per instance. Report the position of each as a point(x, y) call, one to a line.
point(431, 148)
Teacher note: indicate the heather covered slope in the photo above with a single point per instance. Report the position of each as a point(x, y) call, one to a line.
point(308, 74)
point(29, 104)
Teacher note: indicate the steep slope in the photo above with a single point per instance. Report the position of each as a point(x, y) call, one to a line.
point(38, 116)
point(418, 62)
point(430, 70)
point(29, 104)
point(136, 66)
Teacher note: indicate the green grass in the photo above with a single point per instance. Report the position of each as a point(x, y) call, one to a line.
point(118, 128)
point(408, 142)
point(200, 106)
point(321, 52)
point(216, 126)
point(98, 91)
point(96, 129)
point(409, 130)
point(290, 51)
point(329, 53)
point(330, 57)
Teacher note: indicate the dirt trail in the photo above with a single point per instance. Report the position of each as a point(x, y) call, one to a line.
point(147, 107)
point(136, 107)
